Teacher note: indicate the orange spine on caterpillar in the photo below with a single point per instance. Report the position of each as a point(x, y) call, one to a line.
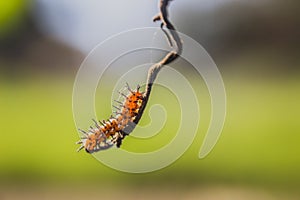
point(107, 133)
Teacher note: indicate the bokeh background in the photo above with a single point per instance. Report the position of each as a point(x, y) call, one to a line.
point(255, 45)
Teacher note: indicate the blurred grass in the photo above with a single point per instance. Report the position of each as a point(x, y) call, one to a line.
point(11, 13)
point(259, 144)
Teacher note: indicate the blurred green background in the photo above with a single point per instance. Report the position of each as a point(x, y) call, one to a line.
point(256, 47)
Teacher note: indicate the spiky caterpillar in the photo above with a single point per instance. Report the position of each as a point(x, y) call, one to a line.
point(107, 133)
point(100, 138)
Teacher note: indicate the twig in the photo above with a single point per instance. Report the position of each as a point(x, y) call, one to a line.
point(173, 38)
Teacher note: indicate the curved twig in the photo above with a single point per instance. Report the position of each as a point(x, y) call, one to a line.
point(173, 38)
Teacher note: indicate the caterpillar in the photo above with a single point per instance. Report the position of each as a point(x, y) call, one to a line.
point(130, 111)
point(106, 133)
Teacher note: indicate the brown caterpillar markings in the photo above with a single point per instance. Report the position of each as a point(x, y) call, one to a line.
point(105, 134)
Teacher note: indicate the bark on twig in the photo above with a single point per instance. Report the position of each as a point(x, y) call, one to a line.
point(175, 42)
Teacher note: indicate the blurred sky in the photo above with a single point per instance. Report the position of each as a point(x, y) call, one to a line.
point(56, 34)
point(84, 24)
